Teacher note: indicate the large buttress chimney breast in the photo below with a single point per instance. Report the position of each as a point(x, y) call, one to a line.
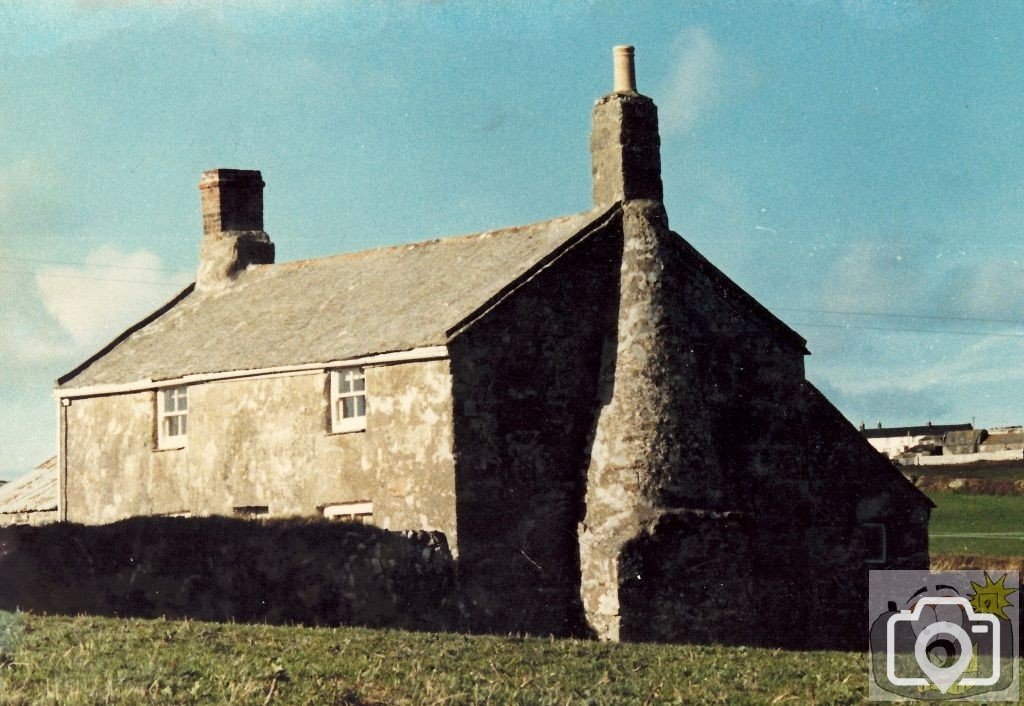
point(233, 236)
point(625, 148)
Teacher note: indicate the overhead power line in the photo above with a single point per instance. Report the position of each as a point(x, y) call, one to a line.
point(894, 315)
point(84, 264)
point(96, 279)
point(803, 324)
point(857, 327)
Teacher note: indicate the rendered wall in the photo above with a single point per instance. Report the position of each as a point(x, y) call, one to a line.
point(266, 441)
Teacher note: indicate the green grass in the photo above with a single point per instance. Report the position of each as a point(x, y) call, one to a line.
point(977, 524)
point(84, 660)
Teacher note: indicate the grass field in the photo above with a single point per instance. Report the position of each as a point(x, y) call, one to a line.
point(58, 660)
point(977, 524)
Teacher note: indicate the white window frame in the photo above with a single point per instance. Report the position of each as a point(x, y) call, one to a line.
point(868, 527)
point(168, 419)
point(350, 512)
point(353, 377)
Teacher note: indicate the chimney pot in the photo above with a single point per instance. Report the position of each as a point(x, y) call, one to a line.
point(625, 73)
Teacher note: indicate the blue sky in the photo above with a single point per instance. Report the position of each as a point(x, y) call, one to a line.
point(857, 166)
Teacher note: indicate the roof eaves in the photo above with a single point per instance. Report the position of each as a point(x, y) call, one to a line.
point(67, 377)
point(596, 224)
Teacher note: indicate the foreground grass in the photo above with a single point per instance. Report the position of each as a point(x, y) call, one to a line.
point(977, 524)
point(59, 660)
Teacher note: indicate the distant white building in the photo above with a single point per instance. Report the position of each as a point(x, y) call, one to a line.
point(892, 441)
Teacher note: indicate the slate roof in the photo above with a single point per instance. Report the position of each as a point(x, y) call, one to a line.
point(927, 430)
point(352, 305)
point(36, 491)
point(316, 311)
point(1005, 439)
point(964, 437)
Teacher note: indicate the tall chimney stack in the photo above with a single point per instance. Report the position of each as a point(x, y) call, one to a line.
point(625, 147)
point(233, 236)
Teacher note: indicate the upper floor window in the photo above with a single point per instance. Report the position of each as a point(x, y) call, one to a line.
point(348, 400)
point(172, 421)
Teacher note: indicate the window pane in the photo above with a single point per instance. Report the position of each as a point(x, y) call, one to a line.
point(360, 405)
point(168, 400)
point(358, 382)
point(171, 425)
point(182, 399)
point(183, 425)
point(348, 407)
point(344, 381)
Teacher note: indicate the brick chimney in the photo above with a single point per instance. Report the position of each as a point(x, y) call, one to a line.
point(624, 144)
point(233, 236)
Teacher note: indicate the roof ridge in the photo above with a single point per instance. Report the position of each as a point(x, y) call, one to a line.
point(442, 240)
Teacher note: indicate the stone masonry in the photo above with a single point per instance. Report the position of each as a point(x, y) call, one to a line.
point(613, 437)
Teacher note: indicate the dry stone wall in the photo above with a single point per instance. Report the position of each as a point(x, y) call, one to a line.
point(311, 572)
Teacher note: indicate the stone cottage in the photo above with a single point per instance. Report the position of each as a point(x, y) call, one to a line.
point(614, 437)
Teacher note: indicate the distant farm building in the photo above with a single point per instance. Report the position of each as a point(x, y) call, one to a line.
point(893, 441)
point(31, 499)
point(945, 444)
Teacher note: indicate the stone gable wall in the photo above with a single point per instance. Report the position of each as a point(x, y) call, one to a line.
point(711, 417)
point(526, 389)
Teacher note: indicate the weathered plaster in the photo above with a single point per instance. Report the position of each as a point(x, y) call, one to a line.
point(266, 441)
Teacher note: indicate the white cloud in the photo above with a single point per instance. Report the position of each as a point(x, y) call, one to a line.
point(96, 301)
point(957, 359)
point(918, 279)
point(694, 85)
point(872, 277)
point(27, 334)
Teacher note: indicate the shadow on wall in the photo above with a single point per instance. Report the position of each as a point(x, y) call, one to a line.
point(718, 578)
point(695, 579)
point(526, 396)
point(223, 569)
